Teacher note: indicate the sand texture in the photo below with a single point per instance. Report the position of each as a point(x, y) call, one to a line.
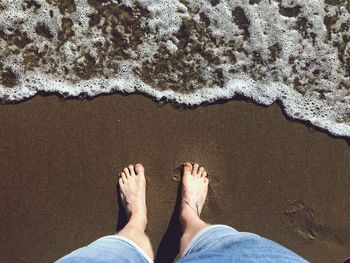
point(59, 161)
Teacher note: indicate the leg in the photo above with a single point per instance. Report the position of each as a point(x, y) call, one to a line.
point(219, 243)
point(194, 191)
point(132, 184)
point(116, 248)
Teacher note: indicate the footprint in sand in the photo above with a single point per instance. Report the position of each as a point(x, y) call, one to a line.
point(304, 220)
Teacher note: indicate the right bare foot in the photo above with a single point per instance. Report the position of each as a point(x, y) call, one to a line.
point(194, 187)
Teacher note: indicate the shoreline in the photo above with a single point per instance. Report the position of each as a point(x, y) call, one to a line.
point(177, 106)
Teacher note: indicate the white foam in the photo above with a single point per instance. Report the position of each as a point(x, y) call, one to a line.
point(308, 76)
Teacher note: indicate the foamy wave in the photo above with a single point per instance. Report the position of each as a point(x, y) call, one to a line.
point(296, 52)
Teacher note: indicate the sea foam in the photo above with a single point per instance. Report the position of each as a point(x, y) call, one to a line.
point(189, 51)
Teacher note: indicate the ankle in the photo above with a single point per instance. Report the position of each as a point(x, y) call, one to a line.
point(139, 221)
point(188, 217)
point(188, 212)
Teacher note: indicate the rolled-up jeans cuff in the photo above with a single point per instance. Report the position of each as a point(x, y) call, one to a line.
point(207, 237)
point(105, 242)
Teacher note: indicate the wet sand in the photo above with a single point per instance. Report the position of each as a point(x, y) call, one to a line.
point(269, 175)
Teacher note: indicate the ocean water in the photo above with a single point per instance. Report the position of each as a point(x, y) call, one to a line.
point(189, 51)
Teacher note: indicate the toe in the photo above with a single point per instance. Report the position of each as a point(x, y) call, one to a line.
point(139, 169)
point(204, 174)
point(126, 171)
point(131, 169)
point(200, 171)
point(206, 180)
point(187, 168)
point(120, 181)
point(123, 177)
point(195, 169)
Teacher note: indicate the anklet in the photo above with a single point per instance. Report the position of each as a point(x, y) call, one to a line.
point(195, 210)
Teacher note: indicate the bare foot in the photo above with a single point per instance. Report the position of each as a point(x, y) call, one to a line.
point(194, 187)
point(132, 183)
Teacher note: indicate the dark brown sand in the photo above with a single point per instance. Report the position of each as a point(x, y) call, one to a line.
point(59, 161)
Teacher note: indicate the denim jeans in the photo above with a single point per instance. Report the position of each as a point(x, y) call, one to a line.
point(217, 243)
